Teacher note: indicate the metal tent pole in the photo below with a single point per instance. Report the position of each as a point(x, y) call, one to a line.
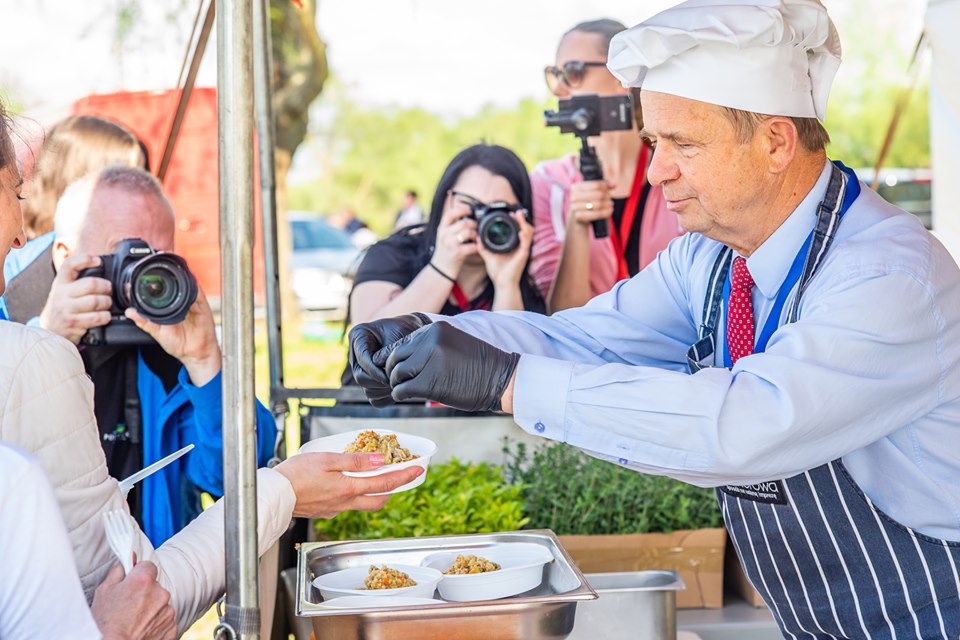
point(263, 99)
point(235, 115)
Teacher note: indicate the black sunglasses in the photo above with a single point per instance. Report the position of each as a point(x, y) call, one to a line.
point(571, 74)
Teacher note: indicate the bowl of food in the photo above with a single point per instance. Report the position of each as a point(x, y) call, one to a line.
point(377, 602)
point(394, 580)
point(400, 450)
point(493, 572)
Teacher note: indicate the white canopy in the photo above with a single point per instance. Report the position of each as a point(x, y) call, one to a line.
point(942, 21)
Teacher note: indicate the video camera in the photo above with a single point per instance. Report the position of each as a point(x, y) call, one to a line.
point(158, 284)
point(586, 116)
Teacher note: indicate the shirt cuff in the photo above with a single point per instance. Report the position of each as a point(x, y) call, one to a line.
point(540, 396)
point(206, 397)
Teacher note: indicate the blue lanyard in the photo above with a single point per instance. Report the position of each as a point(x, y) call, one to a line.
point(793, 276)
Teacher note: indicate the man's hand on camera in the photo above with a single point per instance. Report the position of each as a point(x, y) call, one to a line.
point(193, 342)
point(506, 269)
point(447, 365)
point(76, 305)
point(370, 344)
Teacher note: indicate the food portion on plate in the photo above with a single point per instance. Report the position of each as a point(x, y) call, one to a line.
point(370, 441)
point(368, 580)
point(386, 578)
point(468, 564)
point(415, 451)
point(518, 569)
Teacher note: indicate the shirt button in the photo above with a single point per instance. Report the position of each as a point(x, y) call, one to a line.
point(539, 427)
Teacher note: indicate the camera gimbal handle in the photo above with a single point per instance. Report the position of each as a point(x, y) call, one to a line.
point(591, 169)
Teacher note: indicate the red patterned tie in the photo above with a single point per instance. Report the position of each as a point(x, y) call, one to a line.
point(740, 312)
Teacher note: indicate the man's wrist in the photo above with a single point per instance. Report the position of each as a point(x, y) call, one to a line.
point(202, 370)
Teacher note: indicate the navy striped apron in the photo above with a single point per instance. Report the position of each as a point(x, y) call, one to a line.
point(825, 559)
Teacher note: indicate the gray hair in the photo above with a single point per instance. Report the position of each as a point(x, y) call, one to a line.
point(74, 204)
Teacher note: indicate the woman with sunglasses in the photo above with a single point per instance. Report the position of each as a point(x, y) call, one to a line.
point(441, 266)
point(568, 263)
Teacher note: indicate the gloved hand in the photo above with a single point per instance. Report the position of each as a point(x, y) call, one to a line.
point(444, 364)
point(379, 336)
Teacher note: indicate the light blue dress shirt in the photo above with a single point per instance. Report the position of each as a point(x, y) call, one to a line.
point(869, 372)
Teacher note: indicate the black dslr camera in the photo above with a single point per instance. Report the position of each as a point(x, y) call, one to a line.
point(497, 231)
point(587, 116)
point(158, 284)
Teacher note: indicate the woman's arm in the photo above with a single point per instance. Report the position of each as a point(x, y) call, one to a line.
point(377, 299)
point(571, 288)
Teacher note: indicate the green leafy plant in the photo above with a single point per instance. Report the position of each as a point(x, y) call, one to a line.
point(455, 498)
point(571, 493)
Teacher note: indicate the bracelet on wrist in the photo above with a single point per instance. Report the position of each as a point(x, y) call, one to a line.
point(438, 270)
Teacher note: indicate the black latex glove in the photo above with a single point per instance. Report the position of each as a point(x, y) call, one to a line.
point(446, 365)
point(367, 339)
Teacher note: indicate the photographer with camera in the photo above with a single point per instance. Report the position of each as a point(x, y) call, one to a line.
point(150, 349)
point(570, 263)
point(471, 254)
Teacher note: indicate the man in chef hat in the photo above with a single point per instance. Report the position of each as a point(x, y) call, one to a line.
point(798, 350)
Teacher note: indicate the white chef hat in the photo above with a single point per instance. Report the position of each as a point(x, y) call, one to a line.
point(776, 57)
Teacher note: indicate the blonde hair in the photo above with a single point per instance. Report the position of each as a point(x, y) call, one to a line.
point(73, 148)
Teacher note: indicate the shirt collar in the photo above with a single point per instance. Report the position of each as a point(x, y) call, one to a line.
point(770, 263)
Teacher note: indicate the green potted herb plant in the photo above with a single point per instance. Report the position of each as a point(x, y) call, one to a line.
point(612, 519)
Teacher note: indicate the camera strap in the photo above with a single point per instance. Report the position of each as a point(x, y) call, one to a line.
point(621, 237)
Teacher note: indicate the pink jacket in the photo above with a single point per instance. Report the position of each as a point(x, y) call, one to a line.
point(551, 182)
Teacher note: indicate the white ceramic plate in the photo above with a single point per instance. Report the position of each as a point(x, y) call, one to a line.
point(349, 582)
point(521, 569)
point(422, 447)
point(376, 602)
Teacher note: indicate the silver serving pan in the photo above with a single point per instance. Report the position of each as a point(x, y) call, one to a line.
point(546, 612)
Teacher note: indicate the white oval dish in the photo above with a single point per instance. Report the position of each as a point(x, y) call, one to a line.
point(417, 445)
point(373, 602)
point(521, 569)
point(349, 582)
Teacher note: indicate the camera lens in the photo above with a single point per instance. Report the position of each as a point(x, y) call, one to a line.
point(156, 288)
point(160, 287)
point(498, 231)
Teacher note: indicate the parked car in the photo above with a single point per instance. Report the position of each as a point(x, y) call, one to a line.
point(909, 189)
point(322, 264)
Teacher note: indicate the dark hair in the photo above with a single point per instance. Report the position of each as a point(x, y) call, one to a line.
point(499, 161)
point(606, 28)
point(412, 193)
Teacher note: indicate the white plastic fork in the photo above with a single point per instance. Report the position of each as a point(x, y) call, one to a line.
point(119, 530)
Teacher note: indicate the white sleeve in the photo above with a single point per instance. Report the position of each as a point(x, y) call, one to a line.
point(192, 563)
point(40, 593)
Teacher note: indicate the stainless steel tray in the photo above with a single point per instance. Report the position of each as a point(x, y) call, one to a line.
point(546, 612)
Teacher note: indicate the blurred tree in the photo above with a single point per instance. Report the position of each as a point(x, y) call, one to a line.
point(299, 73)
point(863, 98)
point(369, 157)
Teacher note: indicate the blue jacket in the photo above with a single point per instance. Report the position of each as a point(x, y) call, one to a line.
point(188, 414)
